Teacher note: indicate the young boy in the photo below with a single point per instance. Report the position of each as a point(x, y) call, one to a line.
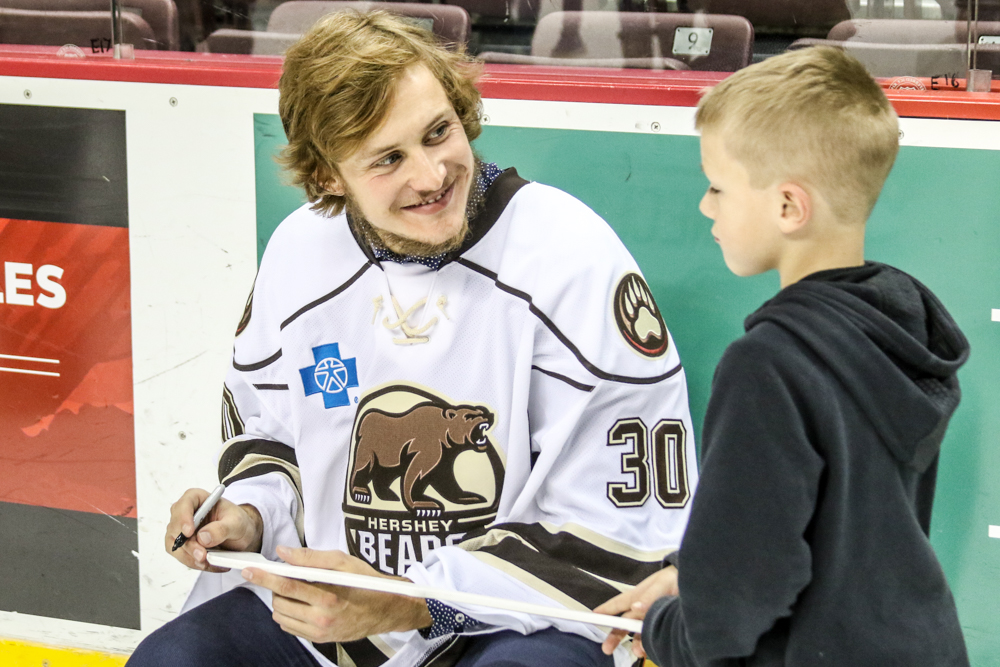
point(808, 539)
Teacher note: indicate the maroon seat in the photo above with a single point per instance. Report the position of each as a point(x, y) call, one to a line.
point(615, 63)
point(56, 28)
point(161, 15)
point(909, 31)
point(248, 42)
point(795, 16)
point(290, 20)
point(512, 10)
point(989, 10)
point(629, 39)
point(448, 22)
point(921, 60)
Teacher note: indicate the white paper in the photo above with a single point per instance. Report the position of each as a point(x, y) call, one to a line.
point(240, 560)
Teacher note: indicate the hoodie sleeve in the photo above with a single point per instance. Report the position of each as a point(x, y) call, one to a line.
point(745, 557)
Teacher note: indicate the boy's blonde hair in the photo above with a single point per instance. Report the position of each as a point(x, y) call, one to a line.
point(815, 117)
point(338, 83)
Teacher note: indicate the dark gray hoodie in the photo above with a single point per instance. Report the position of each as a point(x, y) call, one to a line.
point(807, 543)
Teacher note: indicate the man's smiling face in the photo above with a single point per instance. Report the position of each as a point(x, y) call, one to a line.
point(411, 178)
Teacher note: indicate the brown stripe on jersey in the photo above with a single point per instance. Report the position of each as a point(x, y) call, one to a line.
point(326, 297)
point(360, 653)
point(232, 423)
point(585, 588)
point(563, 338)
point(257, 365)
point(245, 320)
point(246, 459)
point(235, 452)
point(601, 561)
point(571, 382)
point(258, 469)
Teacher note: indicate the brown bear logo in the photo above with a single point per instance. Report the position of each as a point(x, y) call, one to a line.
point(419, 447)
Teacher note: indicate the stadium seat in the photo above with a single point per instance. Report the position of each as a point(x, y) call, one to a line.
point(546, 7)
point(448, 22)
point(904, 31)
point(903, 47)
point(634, 39)
point(921, 60)
point(248, 42)
point(511, 10)
point(291, 19)
point(82, 28)
point(616, 63)
point(989, 10)
point(160, 15)
point(794, 16)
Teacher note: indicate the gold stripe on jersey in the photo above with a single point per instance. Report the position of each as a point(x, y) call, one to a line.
point(243, 459)
point(582, 565)
point(533, 582)
point(492, 538)
point(607, 544)
point(533, 565)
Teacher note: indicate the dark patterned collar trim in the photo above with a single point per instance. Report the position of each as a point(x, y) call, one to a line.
point(488, 173)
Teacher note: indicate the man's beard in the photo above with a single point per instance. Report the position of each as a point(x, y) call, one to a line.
point(404, 245)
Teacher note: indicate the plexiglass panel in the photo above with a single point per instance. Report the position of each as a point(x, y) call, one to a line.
point(938, 40)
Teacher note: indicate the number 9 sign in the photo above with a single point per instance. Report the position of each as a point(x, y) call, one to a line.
point(692, 41)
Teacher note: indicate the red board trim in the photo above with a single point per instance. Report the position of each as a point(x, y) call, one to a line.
point(517, 82)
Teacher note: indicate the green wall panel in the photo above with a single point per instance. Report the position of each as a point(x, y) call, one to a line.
point(275, 197)
point(938, 218)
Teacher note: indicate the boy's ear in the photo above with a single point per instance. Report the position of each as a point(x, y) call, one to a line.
point(796, 208)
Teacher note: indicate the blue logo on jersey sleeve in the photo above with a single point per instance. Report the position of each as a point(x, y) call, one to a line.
point(331, 376)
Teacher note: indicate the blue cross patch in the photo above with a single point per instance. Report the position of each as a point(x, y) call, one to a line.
point(331, 376)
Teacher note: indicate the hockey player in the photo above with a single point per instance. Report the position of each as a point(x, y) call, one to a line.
point(444, 372)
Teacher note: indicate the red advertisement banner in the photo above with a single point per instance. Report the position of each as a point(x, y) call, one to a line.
point(66, 415)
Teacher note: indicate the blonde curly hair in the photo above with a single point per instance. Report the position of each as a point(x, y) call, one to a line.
point(338, 84)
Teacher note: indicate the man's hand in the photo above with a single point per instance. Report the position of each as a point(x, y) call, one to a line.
point(635, 603)
point(322, 613)
point(228, 526)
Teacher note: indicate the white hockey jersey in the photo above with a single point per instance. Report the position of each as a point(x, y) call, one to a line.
point(514, 423)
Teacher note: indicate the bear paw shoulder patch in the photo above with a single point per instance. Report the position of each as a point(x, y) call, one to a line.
point(638, 319)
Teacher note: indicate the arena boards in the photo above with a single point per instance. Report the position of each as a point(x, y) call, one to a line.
point(202, 194)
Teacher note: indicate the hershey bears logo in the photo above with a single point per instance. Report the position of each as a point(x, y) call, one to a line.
point(419, 447)
point(638, 319)
point(424, 470)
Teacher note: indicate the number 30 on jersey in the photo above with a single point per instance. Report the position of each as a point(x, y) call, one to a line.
point(666, 463)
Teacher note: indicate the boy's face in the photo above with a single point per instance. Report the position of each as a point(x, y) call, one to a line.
point(745, 224)
point(412, 176)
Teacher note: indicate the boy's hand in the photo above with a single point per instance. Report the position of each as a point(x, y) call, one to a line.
point(324, 613)
point(635, 603)
point(228, 526)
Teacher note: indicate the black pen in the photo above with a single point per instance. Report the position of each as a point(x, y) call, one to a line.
point(200, 515)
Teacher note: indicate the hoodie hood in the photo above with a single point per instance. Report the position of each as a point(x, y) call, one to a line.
point(890, 342)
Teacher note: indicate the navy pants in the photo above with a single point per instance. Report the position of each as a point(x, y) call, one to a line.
point(236, 630)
